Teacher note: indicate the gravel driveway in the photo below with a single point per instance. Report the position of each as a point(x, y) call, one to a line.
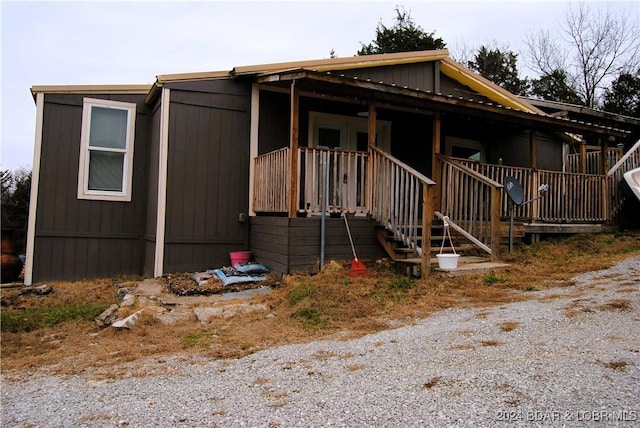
point(567, 357)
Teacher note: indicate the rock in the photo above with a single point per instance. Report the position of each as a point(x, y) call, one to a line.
point(128, 300)
point(169, 318)
point(128, 322)
point(122, 293)
point(204, 314)
point(40, 289)
point(108, 316)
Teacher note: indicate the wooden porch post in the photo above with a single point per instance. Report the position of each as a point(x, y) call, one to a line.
point(371, 142)
point(583, 157)
point(436, 165)
point(495, 223)
point(533, 146)
point(427, 215)
point(293, 147)
point(604, 149)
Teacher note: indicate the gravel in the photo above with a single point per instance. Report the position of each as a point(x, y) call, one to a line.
point(571, 358)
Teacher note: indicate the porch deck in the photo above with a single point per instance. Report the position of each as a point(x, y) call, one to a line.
point(392, 195)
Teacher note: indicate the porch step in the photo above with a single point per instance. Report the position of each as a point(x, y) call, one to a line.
point(466, 265)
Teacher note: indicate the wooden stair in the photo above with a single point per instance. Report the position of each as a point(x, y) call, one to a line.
point(407, 260)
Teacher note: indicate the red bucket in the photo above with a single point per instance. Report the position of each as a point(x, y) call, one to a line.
point(239, 257)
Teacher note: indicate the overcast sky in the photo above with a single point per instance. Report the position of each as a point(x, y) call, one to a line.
point(51, 43)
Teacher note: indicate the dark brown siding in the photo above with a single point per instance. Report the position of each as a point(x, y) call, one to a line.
point(415, 76)
point(290, 245)
point(152, 195)
point(208, 174)
point(74, 238)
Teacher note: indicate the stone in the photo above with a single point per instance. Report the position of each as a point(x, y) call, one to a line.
point(171, 317)
point(128, 322)
point(108, 316)
point(128, 300)
point(122, 292)
point(38, 289)
point(204, 314)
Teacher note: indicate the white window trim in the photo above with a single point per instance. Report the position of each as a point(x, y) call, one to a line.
point(83, 169)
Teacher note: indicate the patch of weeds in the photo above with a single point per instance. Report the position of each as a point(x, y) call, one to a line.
point(617, 365)
point(401, 283)
point(299, 292)
point(490, 343)
point(35, 318)
point(196, 338)
point(311, 318)
point(616, 305)
point(508, 325)
point(432, 382)
point(492, 279)
point(530, 288)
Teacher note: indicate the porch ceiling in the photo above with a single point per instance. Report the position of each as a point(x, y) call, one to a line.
point(341, 85)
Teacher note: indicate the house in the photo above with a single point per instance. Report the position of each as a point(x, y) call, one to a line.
point(152, 179)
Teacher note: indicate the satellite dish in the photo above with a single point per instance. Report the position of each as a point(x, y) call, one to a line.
point(514, 190)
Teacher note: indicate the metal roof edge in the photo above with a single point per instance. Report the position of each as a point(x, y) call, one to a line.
point(91, 89)
point(344, 63)
point(183, 77)
point(485, 87)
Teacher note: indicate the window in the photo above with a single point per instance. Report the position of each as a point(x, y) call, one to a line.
point(465, 149)
point(106, 150)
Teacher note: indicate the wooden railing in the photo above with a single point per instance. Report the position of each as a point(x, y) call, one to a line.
point(571, 197)
point(271, 189)
point(629, 161)
point(592, 161)
point(472, 201)
point(401, 200)
point(347, 182)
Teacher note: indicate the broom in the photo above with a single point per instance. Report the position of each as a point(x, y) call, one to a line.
point(357, 267)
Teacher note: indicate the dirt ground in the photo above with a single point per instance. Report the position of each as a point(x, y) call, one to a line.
point(56, 333)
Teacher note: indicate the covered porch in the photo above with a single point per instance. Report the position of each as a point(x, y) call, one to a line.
point(347, 139)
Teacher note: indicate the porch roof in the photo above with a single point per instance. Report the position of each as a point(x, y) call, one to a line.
point(332, 81)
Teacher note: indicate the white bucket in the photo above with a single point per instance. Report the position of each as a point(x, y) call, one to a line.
point(448, 261)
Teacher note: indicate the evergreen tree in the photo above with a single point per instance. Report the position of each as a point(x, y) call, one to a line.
point(404, 36)
point(623, 97)
point(555, 87)
point(500, 67)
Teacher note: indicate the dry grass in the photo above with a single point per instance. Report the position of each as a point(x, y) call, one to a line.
point(509, 325)
point(303, 308)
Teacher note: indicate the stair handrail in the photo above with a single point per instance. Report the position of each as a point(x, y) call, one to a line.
point(401, 200)
point(624, 158)
point(403, 165)
point(470, 171)
point(493, 214)
point(463, 232)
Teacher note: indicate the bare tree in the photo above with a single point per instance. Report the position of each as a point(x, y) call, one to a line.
point(595, 47)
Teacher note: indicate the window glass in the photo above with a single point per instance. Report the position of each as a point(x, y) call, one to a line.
point(466, 153)
point(106, 171)
point(108, 127)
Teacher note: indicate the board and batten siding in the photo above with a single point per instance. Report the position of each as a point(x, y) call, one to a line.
point(152, 191)
point(415, 76)
point(76, 239)
point(208, 174)
point(290, 245)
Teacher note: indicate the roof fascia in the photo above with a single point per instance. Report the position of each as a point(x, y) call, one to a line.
point(345, 63)
point(91, 89)
point(183, 77)
point(485, 87)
